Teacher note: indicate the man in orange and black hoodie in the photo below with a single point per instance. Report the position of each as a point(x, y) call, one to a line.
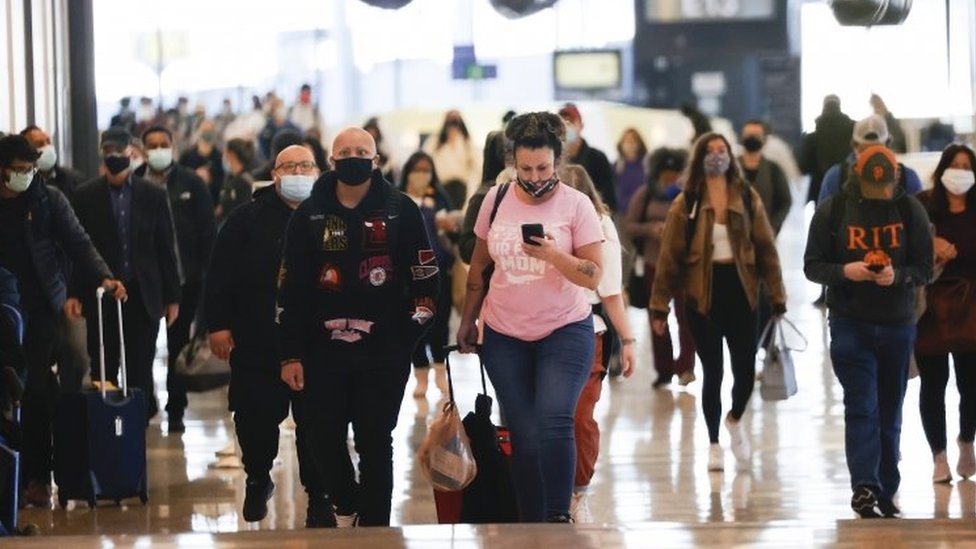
point(872, 247)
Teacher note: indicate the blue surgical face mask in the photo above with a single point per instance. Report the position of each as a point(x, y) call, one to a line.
point(572, 135)
point(296, 187)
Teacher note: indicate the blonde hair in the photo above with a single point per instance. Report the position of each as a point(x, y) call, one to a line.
point(576, 177)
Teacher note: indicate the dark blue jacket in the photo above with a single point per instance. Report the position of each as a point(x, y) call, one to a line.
point(58, 243)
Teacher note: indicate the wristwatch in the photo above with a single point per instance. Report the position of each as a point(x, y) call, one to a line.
point(628, 341)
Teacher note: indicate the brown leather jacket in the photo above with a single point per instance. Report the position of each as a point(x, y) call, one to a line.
point(689, 268)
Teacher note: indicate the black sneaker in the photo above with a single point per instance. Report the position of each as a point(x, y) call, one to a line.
point(256, 496)
point(865, 503)
point(888, 508)
point(564, 519)
point(662, 381)
point(320, 513)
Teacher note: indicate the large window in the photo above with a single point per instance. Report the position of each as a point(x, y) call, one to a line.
point(907, 65)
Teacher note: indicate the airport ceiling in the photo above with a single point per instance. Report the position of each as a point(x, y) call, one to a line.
point(866, 13)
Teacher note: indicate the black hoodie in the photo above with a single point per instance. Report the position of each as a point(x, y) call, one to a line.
point(352, 279)
point(870, 225)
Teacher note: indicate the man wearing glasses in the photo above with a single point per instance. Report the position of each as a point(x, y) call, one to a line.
point(239, 304)
point(36, 225)
point(357, 289)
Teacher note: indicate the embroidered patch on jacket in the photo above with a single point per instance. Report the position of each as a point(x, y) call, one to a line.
point(334, 235)
point(330, 278)
point(374, 233)
point(376, 270)
point(349, 330)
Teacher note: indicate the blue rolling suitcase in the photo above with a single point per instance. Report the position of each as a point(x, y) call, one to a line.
point(100, 437)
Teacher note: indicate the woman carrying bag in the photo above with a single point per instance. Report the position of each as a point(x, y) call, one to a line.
point(717, 247)
point(951, 205)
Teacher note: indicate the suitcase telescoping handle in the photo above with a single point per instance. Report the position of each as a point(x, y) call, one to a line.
point(448, 349)
point(99, 294)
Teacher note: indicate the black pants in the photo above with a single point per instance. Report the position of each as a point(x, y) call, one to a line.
point(41, 335)
point(436, 337)
point(731, 319)
point(177, 336)
point(369, 400)
point(260, 402)
point(934, 373)
point(140, 343)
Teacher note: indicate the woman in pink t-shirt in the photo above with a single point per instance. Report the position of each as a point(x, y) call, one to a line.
point(538, 327)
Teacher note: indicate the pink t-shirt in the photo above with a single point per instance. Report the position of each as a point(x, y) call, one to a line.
point(529, 298)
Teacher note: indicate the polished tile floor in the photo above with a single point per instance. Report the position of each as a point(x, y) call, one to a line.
point(651, 486)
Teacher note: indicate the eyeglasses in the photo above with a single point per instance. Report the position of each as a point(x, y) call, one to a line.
point(302, 167)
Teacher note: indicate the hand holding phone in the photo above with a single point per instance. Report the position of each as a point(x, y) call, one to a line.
point(532, 229)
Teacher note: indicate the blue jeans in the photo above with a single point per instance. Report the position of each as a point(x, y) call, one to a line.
point(871, 363)
point(538, 384)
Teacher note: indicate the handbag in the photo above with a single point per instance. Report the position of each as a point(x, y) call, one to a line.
point(199, 369)
point(778, 371)
point(490, 497)
point(637, 284)
point(949, 322)
point(445, 455)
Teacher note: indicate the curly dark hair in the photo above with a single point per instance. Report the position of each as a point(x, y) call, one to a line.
point(536, 130)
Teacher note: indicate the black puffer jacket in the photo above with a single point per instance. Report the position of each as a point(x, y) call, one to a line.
point(58, 243)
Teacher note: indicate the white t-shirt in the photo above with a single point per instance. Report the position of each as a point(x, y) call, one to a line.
point(611, 283)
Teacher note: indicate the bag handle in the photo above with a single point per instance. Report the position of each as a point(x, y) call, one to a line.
point(448, 349)
point(778, 322)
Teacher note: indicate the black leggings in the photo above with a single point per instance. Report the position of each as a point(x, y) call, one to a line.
point(731, 318)
point(436, 337)
point(934, 373)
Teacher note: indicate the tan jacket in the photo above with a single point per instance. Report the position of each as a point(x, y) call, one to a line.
point(753, 248)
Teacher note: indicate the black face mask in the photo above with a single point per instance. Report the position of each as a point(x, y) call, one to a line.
point(354, 171)
point(540, 189)
point(116, 164)
point(752, 144)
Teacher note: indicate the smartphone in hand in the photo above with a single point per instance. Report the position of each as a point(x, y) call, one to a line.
point(532, 229)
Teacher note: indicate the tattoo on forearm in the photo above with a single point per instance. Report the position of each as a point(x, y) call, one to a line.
point(586, 267)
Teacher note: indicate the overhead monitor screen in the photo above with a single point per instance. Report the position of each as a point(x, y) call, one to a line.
point(587, 70)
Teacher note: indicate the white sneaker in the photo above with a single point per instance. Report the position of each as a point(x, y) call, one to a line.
point(967, 460)
point(740, 446)
point(579, 508)
point(347, 521)
point(716, 458)
point(940, 471)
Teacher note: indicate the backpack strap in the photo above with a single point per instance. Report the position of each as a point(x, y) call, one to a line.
point(393, 201)
point(498, 202)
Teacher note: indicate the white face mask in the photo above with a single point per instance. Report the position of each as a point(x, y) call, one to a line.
point(296, 187)
point(958, 182)
point(159, 159)
point(48, 158)
point(19, 182)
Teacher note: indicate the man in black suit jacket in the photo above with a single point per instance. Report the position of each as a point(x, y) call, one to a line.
point(193, 216)
point(129, 221)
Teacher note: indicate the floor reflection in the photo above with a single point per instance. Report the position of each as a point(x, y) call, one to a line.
point(651, 477)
